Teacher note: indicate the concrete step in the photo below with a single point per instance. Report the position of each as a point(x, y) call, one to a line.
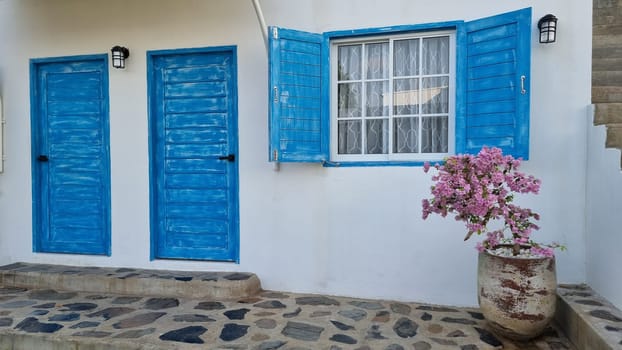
point(589, 321)
point(607, 78)
point(607, 113)
point(614, 136)
point(599, 4)
point(607, 64)
point(209, 285)
point(608, 28)
point(607, 41)
point(606, 94)
point(606, 15)
point(606, 52)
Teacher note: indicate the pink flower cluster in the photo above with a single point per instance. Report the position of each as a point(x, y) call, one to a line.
point(479, 189)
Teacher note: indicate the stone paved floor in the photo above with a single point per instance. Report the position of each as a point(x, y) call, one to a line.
point(272, 320)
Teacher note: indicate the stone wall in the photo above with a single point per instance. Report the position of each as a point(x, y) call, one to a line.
point(607, 69)
point(604, 179)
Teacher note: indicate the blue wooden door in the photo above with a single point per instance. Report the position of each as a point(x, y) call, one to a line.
point(193, 150)
point(70, 155)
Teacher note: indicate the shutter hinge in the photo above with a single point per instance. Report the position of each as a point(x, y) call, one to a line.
point(275, 33)
point(275, 92)
point(276, 155)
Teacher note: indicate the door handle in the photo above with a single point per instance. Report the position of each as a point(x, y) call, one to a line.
point(230, 157)
point(43, 158)
point(522, 84)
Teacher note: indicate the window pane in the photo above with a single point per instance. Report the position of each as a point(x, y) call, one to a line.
point(405, 96)
point(435, 58)
point(434, 135)
point(349, 100)
point(435, 95)
point(349, 62)
point(406, 57)
point(377, 61)
point(377, 136)
point(392, 96)
point(349, 137)
point(405, 135)
point(376, 104)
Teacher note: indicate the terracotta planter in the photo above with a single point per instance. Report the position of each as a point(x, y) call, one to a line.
point(517, 295)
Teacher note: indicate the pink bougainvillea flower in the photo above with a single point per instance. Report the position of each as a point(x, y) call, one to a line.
point(480, 190)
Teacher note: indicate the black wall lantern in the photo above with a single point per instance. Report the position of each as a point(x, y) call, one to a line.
point(548, 27)
point(119, 54)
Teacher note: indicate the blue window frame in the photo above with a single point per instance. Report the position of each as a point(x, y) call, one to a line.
point(491, 87)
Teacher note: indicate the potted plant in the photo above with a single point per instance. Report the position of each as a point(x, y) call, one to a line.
point(516, 276)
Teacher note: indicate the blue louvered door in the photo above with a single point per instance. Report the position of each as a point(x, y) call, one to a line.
point(194, 172)
point(70, 155)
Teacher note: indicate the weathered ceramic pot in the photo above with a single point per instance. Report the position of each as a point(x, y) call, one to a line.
point(517, 296)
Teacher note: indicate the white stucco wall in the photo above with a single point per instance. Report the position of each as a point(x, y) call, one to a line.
point(344, 231)
point(604, 204)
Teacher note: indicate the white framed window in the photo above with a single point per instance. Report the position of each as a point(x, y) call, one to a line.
point(393, 97)
point(403, 95)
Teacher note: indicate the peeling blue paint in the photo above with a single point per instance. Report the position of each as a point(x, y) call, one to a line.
point(70, 127)
point(193, 122)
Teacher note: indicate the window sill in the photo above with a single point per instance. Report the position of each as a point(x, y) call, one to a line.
point(331, 164)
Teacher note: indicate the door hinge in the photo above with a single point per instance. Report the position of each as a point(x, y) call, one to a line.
point(275, 155)
point(275, 33)
point(275, 93)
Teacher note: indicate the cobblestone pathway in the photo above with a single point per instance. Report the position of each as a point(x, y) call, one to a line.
point(272, 320)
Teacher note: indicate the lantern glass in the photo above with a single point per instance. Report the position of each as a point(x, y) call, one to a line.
point(548, 28)
point(117, 60)
point(119, 54)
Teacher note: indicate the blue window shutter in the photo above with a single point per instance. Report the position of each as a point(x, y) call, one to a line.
point(492, 99)
point(298, 96)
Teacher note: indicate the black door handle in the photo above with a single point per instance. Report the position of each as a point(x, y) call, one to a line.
point(230, 157)
point(43, 158)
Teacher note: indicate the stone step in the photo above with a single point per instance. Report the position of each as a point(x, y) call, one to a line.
point(608, 28)
point(607, 113)
point(16, 341)
point(589, 321)
point(606, 94)
point(598, 4)
point(613, 63)
point(186, 284)
point(607, 78)
point(606, 41)
point(606, 15)
point(606, 52)
point(614, 136)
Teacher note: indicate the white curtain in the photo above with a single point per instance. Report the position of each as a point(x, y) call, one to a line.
point(419, 103)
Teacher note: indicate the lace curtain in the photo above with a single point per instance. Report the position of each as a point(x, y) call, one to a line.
point(415, 113)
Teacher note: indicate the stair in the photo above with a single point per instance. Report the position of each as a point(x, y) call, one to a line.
point(607, 69)
point(184, 284)
point(588, 320)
